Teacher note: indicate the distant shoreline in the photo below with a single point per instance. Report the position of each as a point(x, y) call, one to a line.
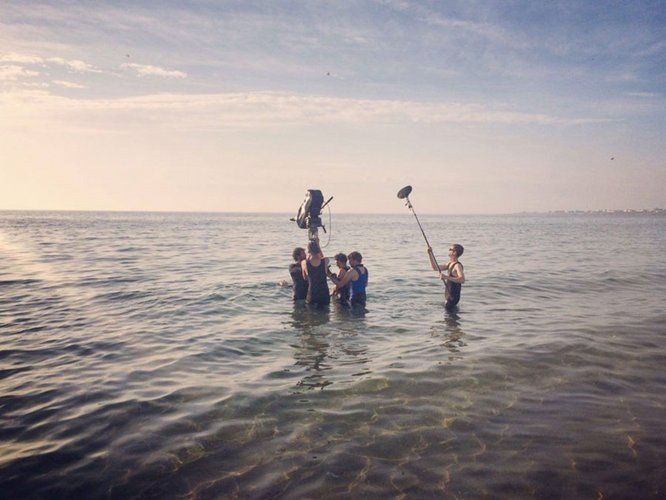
point(627, 211)
point(639, 212)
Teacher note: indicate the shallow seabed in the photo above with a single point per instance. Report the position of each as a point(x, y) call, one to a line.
point(154, 355)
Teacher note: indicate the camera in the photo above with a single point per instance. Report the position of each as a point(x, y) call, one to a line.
point(309, 213)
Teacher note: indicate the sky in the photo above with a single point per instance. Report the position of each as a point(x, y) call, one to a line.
point(241, 106)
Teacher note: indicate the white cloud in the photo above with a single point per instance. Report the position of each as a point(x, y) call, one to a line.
point(74, 65)
point(431, 17)
point(256, 109)
point(13, 72)
point(71, 64)
point(69, 85)
point(624, 77)
point(148, 70)
point(643, 94)
point(21, 58)
point(35, 85)
point(79, 66)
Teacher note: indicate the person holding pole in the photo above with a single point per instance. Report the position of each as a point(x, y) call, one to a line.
point(454, 277)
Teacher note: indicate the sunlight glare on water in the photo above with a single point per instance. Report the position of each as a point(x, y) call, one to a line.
point(154, 354)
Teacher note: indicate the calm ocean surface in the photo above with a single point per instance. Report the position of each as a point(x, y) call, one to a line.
point(154, 355)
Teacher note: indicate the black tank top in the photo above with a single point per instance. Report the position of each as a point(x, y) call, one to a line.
point(343, 296)
point(318, 287)
point(453, 289)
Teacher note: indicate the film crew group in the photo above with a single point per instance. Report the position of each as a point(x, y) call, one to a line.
point(309, 270)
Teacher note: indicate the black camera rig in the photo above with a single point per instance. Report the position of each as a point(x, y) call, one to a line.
point(309, 213)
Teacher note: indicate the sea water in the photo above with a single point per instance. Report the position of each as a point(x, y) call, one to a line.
point(155, 354)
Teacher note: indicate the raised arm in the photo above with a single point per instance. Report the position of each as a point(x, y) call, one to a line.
point(304, 269)
point(431, 256)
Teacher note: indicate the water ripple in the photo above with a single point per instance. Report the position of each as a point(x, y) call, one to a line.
point(153, 355)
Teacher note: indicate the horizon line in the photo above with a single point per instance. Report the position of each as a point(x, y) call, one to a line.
point(571, 211)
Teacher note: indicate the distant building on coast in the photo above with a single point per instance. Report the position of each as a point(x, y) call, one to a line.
point(626, 211)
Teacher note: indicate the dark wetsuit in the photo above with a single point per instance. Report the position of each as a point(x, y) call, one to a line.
point(300, 283)
point(452, 293)
point(358, 286)
point(343, 293)
point(318, 287)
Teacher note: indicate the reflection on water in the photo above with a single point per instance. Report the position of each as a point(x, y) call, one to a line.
point(147, 363)
point(307, 318)
point(312, 348)
point(322, 350)
point(450, 331)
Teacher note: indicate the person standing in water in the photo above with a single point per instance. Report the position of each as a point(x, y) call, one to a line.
point(300, 284)
point(343, 268)
point(357, 277)
point(314, 271)
point(454, 277)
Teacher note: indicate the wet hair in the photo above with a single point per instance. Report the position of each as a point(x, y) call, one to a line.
point(340, 257)
point(355, 256)
point(458, 248)
point(298, 251)
point(313, 248)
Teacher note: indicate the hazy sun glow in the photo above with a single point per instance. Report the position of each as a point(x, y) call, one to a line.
point(242, 106)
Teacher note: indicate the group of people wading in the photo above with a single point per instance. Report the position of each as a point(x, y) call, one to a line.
point(310, 271)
